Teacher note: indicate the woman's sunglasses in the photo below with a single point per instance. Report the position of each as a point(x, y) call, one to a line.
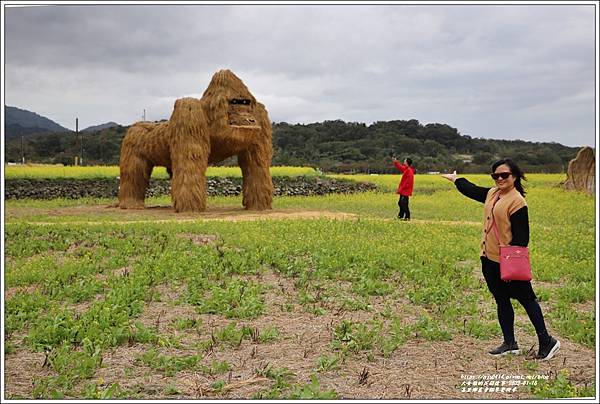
point(504, 176)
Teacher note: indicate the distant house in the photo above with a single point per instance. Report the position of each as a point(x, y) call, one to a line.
point(465, 158)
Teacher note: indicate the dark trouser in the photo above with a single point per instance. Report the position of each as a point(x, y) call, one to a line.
point(403, 204)
point(520, 290)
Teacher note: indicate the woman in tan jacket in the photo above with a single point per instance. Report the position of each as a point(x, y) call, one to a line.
point(505, 205)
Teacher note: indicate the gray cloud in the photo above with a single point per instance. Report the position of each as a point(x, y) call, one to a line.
point(496, 71)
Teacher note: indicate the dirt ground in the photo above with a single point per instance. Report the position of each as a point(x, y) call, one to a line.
point(160, 214)
point(419, 369)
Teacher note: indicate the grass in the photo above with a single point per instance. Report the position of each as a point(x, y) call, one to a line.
point(560, 387)
point(80, 291)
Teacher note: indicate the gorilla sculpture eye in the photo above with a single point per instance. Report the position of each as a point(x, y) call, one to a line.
point(239, 101)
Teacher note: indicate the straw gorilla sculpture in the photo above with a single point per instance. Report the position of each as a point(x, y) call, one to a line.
point(226, 121)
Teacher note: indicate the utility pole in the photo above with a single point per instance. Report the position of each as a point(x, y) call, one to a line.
point(76, 136)
point(144, 115)
point(80, 141)
point(22, 152)
point(81, 154)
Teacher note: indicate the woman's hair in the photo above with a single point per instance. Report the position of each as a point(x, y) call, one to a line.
point(409, 161)
point(516, 172)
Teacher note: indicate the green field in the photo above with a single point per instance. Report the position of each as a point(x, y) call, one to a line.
point(105, 303)
point(59, 171)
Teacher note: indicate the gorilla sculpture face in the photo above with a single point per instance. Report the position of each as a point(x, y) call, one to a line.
point(240, 113)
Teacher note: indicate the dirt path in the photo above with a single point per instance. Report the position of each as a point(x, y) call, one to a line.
point(165, 214)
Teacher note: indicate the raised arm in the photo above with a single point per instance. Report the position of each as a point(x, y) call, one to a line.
point(467, 188)
point(400, 167)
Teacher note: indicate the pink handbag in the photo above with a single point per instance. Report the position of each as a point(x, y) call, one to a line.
point(514, 261)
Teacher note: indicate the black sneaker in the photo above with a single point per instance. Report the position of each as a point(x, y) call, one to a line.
point(548, 350)
point(505, 349)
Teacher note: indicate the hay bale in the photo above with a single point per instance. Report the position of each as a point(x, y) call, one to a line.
point(581, 172)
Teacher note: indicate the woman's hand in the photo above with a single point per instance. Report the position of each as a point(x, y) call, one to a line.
point(450, 177)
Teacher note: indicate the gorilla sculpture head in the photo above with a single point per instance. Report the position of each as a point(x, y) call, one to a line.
point(236, 120)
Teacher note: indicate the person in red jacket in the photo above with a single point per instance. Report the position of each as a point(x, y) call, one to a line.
point(405, 187)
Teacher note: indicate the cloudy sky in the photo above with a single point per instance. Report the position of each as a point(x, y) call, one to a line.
point(493, 71)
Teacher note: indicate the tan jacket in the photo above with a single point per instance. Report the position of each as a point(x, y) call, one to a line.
point(505, 206)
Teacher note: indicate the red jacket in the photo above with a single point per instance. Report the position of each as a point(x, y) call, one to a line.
point(408, 179)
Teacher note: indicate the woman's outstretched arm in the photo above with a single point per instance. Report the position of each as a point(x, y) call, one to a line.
point(467, 188)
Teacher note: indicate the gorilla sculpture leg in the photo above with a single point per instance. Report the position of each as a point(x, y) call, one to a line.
point(135, 172)
point(257, 187)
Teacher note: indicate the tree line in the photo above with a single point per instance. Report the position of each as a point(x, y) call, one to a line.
point(331, 146)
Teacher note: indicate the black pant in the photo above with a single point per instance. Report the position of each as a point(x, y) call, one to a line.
point(520, 290)
point(403, 204)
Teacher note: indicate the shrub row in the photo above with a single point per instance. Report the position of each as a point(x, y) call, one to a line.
point(109, 188)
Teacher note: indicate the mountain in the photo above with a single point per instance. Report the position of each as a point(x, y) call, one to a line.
point(97, 128)
point(20, 122)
